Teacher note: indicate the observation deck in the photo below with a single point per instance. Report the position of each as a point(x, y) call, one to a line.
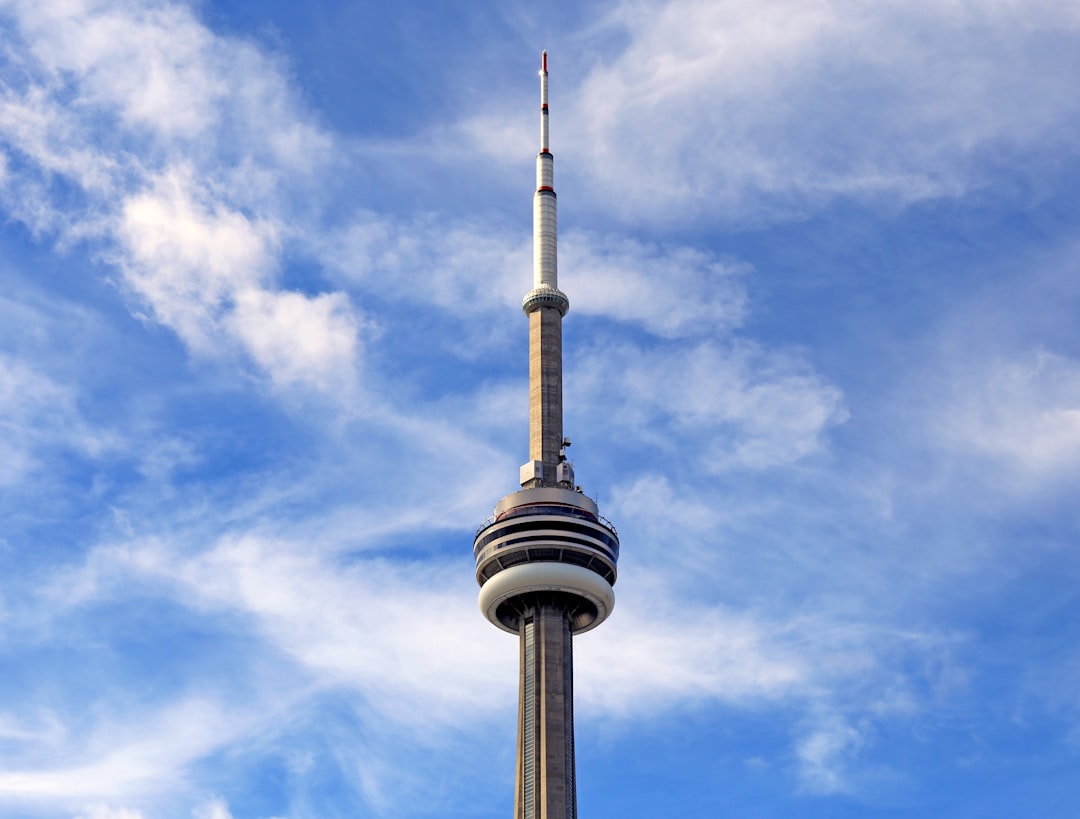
point(545, 296)
point(546, 543)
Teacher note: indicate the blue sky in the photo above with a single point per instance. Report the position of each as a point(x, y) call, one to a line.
point(263, 371)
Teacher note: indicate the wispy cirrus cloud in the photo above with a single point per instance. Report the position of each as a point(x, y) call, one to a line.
point(123, 758)
point(718, 110)
point(363, 634)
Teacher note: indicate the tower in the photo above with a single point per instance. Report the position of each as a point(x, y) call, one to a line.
point(546, 560)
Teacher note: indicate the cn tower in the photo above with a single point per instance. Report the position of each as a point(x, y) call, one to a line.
point(546, 559)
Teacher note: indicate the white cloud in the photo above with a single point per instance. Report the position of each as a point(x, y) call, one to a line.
point(159, 458)
point(297, 338)
point(823, 754)
point(43, 727)
point(671, 655)
point(174, 89)
point(448, 264)
point(670, 291)
point(158, 70)
point(36, 125)
point(1023, 413)
point(37, 414)
point(207, 272)
point(189, 258)
point(100, 811)
point(213, 808)
point(669, 645)
point(737, 406)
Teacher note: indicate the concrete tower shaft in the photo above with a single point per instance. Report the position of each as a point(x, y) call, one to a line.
point(546, 559)
point(545, 399)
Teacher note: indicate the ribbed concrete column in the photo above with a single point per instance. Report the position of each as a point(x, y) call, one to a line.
point(545, 389)
point(545, 765)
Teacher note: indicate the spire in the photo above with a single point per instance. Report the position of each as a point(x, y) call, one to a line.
point(545, 217)
point(543, 104)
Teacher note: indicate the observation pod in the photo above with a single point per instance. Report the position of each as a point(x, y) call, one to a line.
point(547, 544)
